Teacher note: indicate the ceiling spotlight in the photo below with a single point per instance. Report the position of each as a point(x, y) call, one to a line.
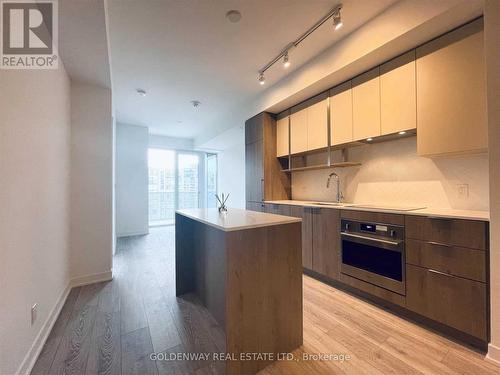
point(286, 60)
point(195, 103)
point(233, 16)
point(262, 79)
point(402, 133)
point(141, 92)
point(337, 20)
point(369, 139)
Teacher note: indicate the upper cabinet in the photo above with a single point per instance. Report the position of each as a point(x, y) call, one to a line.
point(398, 96)
point(282, 135)
point(341, 114)
point(309, 125)
point(298, 130)
point(317, 122)
point(366, 105)
point(451, 103)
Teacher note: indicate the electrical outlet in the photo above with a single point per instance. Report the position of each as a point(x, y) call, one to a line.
point(34, 310)
point(463, 191)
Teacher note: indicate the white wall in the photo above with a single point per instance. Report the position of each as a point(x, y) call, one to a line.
point(91, 181)
point(171, 143)
point(230, 149)
point(131, 180)
point(492, 55)
point(393, 174)
point(34, 201)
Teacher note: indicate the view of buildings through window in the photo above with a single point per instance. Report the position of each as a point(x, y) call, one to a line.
point(211, 180)
point(174, 183)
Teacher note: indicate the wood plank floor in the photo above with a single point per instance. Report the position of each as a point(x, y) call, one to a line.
point(113, 327)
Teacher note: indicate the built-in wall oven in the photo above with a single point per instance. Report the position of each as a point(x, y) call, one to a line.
point(375, 253)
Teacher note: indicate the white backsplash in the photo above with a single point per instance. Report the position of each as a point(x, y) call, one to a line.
point(393, 174)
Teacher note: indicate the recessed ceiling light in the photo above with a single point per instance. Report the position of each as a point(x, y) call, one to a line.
point(195, 103)
point(401, 133)
point(233, 16)
point(369, 139)
point(141, 92)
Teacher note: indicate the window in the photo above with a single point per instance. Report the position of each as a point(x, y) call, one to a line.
point(211, 180)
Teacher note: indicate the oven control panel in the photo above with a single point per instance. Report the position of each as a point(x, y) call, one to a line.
point(375, 229)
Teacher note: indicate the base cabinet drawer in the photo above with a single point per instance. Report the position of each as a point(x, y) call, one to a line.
point(458, 261)
point(464, 233)
point(454, 301)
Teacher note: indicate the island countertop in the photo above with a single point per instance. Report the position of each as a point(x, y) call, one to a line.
point(236, 219)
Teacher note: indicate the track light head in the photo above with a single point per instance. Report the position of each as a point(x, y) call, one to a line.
point(262, 79)
point(337, 20)
point(286, 60)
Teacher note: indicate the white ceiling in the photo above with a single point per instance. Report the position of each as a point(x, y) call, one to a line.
point(186, 50)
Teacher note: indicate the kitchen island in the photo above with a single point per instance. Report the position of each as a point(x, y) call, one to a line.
point(246, 268)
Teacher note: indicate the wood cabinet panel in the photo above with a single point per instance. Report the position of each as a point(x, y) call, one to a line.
point(254, 129)
point(263, 177)
point(305, 213)
point(374, 217)
point(463, 233)
point(298, 131)
point(458, 261)
point(254, 172)
point(282, 137)
point(456, 302)
point(326, 242)
point(255, 206)
point(341, 114)
point(366, 105)
point(451, 102)
point(398, 96)
point(317, 124)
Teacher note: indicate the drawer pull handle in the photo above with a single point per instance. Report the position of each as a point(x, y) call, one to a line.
point(440, 273)
point(438, 244)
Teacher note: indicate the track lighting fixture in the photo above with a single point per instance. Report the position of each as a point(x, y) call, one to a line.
point(334, 14)
point(337, 20)
point(262, 79)
point(286, 60)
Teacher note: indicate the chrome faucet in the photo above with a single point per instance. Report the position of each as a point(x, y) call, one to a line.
point(340, 196)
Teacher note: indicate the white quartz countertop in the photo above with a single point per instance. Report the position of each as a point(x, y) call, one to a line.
point(236, 219)
point(434, 212)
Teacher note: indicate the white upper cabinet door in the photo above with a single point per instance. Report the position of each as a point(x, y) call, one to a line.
point(341, 114)
point(366, 105)
point(317, 123)
point(451, 99)
point(398, 96)
point(282, 137)
point(298, 130)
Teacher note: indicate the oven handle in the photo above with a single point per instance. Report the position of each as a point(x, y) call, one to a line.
point(390, 245)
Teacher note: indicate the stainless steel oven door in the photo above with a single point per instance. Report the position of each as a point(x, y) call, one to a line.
point(378, 261)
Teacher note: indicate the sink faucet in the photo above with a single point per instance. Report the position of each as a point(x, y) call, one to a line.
point(340, 196)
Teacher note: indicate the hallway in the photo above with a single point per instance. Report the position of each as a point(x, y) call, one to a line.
point(113, 327)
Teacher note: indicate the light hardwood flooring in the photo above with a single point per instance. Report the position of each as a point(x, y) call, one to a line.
point(113, 327)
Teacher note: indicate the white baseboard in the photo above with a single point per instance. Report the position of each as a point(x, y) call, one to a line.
point(493, 354)
point(32, 355)
point(91, 279)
